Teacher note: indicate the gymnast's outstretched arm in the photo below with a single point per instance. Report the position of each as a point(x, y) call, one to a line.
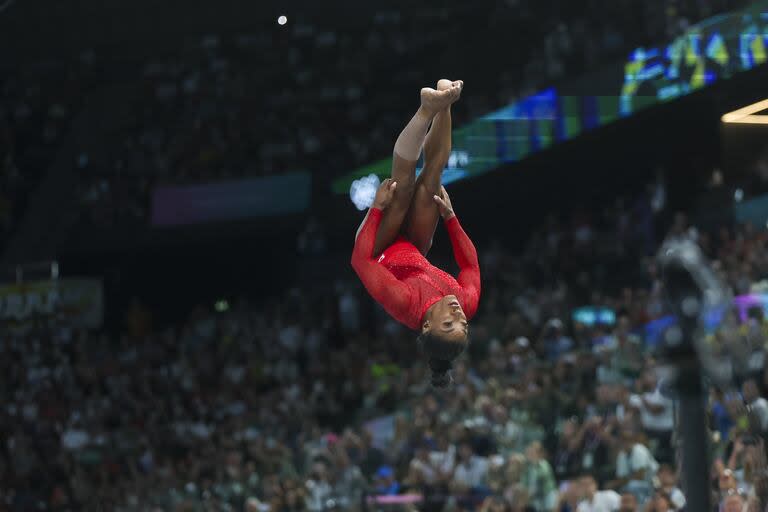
point(384, 287)
point(463, 251)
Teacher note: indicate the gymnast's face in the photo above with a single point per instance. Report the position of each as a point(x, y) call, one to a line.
point(447, 320)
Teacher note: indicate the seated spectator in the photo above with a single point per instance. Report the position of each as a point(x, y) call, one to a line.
point(726, 485)
point(628, 355)
point(349, 483)
point(628, 503)
point(635, 466)
point(514, 491)
point(318, 488)
point(720, 417)
point(385, 483)
point(539, 479)
point(756, 405)
point(593, 500)
point(733, 503)
point(656, 415)
point(494, 504)
point(668, 485)
point(422, 472)
point(553, 341)
point(568, 456)
point(570, 496)
point(660, 502)
point(470, 476)
point(597, 451)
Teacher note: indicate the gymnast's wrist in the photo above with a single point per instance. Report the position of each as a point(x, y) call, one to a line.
point(450, 214)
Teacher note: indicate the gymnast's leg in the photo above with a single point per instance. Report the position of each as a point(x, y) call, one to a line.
point(405, 155)
point(423, 215)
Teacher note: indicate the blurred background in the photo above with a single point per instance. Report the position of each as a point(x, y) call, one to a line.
point(180, 183)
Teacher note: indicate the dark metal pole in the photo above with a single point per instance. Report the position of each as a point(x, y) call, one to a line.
point(690, 288)
point(694, 437)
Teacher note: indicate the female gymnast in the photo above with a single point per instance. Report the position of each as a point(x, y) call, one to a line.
point(396, 234)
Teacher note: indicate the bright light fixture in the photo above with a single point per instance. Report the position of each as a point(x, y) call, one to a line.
point(747, 114)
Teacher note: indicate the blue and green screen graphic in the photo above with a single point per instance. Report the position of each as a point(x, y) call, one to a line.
point(712, 50)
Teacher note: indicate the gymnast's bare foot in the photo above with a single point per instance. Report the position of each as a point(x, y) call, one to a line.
point(445, 84)
point(433, 101)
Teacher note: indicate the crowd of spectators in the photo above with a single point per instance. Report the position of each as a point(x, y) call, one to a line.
point(318, 401)
point(326, 96)
point(314, 94)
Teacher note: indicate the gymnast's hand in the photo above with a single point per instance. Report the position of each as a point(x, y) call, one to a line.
point(444, 203)
point(385, 194)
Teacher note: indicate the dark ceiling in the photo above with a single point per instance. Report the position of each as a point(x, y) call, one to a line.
point(44, 29)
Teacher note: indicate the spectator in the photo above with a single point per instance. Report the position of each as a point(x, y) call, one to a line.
point(539, 479)
point(570, 496)
point(569, 456)
point(733, 503)
point(757, 405)
point(350, 483)
point(656, 414)
point(553, 341)
point(668, 485)
point(635, 467)
point(722, 420)
point(594, 500)
point(385, 483)
point(660, 502)
point(470, 475)
point(422, 470)
point(318, 488)
point(494, 504)
point(628, 503)
point(215, 409)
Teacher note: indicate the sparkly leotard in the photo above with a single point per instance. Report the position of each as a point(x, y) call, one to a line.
point(405, 283)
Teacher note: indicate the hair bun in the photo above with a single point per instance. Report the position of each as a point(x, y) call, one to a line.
point(441, 380)
point(441, 373)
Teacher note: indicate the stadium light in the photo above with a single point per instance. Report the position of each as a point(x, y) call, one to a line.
point(746, 115)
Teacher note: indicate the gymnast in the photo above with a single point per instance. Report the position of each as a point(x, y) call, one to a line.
point(396, 235)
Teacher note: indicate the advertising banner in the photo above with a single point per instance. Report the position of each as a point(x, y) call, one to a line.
point(80, 302)
point(231, 200)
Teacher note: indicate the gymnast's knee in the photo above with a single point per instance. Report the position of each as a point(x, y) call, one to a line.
point(405, 191)
point(426, 191)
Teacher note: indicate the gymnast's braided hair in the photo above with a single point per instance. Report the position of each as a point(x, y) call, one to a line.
point(440, 354)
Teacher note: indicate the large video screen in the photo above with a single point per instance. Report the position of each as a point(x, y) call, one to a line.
point(712, 50)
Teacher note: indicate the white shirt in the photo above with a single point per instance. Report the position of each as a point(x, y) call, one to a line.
point(638, 458)
point(444, 461)
point(602, 501)
point(427, 471)
point(760, 408)
point(74, 439)
point(473, 473)
point(677, 497)
point(664, 421)
point(319, 491)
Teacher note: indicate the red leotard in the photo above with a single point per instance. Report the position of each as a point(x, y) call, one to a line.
point(405, 283)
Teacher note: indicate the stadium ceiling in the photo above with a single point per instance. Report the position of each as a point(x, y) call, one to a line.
point(29, 31)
